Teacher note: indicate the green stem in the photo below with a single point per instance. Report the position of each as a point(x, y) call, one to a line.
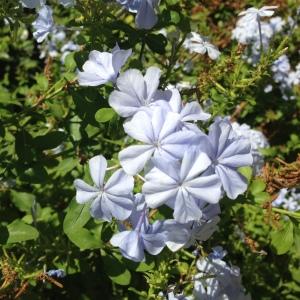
point(292, 214)
point(142, 49)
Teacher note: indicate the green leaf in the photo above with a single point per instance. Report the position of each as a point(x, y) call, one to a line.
point(104, 115)
point(77, 216)
point(246, 172)
point(49, 140)
point(257, 186)
point(84, 239)
point(20, 232)
point(149, 264)
point(23, 201)
point(282, 239)
point(115, 269)
point(157, 43)
point(42, 82)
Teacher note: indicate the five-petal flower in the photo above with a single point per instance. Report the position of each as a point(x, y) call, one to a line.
point(181, 186)
point(194, 42)
point(103, 67)
point(227, 153)
point(44, 24)
point(137, 92)
point(160, 137)
point(110, 199)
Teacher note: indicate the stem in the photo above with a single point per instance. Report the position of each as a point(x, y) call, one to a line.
point(113, 167)
point(292, 214)
point(141, 177)
point(260, 35)
point(142, 49)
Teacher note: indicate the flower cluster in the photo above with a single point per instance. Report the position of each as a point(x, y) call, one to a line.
point(217, 280)
point(285, 76)
point(288, 199)
point(182, 167)
point(251, 30)
point(54, 36)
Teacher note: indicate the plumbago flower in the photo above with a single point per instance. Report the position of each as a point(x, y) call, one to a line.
point(217, 280)
point(33, 3)
point(202, 230)
point(199, 44)
point(103, 67)
point(186, 113)
point(44, 24)
point(137, 92)
point(157, 130)
point(146, 17)
point(145, 236)
point(182, 186)
point(67, 3)
point(227, 153)
point(254, 14)
point(110, 199)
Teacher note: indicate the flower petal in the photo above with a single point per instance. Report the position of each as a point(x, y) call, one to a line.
point(205, 188)
point(98, 165)
point(233, 182)
point(130, 245)
point(134, 158)
point(84, 192)
point(119, 184)
point(140, 128)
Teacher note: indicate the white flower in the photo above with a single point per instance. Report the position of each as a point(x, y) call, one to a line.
point(137, 92)
point(253, 14)
point(158, 131)
point(199, 44)
point(217, 280)
point(103, 67)
point(111, 198)
point(67, 3)
point(44, 24)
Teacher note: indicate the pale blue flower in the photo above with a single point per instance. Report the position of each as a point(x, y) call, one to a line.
point(217, 253)
point(143, 236)
point(253, 14)
point(137, 92)
point(103, 67)
point(157, 130)
point(189, 112)
point(194, 42)
point(56, 273)
point(33, 3)
point(150, 237)
point(217, 280)
point(145, 9)
point(110, 199)
point(182, 186)
point(44, 24)
point(203, 229)
point(227, 153)
point(131, 5)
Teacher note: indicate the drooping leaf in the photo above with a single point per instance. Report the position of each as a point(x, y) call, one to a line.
point(20, 232)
